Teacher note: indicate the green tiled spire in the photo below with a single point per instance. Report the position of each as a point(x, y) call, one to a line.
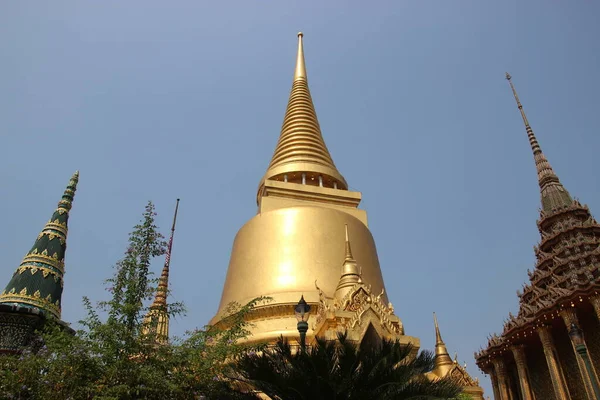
point(38, 282)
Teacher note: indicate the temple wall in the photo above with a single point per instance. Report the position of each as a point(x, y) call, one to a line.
point(539, 376)
point(569, 363)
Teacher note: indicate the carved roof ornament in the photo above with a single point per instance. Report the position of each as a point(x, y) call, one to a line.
point(353, 305)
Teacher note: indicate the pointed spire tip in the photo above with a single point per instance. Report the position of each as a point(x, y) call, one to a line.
point(438, 336)
point(300, 72)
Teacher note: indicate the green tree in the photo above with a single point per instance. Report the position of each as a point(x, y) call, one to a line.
point(112, 358)
point(341, 369)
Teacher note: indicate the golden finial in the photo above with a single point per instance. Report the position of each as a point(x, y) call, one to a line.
point(300, 72)
point(349, 256)
point(438, 336)
point(532, 139)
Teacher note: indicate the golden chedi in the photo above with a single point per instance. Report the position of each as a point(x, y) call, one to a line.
point(297, 243)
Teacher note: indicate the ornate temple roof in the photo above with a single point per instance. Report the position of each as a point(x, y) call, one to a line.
point(567, 257)
point(38, 282)
point(301, 148)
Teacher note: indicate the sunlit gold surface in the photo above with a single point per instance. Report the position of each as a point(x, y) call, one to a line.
point(284, 251)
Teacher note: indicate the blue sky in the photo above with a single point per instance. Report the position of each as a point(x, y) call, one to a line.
point(154, 100)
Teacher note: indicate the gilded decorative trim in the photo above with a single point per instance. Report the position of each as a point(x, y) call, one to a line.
point(45, 271)
point(53, 234)
point(36, 301)
point(53, 260)
point(57, 226)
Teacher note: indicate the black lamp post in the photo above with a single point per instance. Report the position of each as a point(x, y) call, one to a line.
point(576, 335)
point(302, 312)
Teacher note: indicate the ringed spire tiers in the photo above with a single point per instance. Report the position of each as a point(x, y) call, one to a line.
point(38, 282)
point(553, 194)
point(301, 155)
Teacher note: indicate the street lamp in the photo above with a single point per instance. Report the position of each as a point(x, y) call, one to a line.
point(576, 335)
point(302, 312)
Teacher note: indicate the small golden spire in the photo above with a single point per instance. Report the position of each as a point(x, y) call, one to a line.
point(350, 270)
point(301, 153)
point(443, 362)
point(553, 193)
point(158, 313)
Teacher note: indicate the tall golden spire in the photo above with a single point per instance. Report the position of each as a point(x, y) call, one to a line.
point(157, 319)
point(301, 155)
point(443, 362)
point(553, 193)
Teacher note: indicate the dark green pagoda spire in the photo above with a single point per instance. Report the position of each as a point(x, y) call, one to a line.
point(38, 282)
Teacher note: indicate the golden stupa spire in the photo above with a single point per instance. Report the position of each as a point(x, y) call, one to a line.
point(157, 319)
point(443, 362)
point(350, 270)
point(553, 193)
point(301, 155)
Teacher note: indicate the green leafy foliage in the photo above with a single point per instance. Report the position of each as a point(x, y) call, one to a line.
point(113, 357)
